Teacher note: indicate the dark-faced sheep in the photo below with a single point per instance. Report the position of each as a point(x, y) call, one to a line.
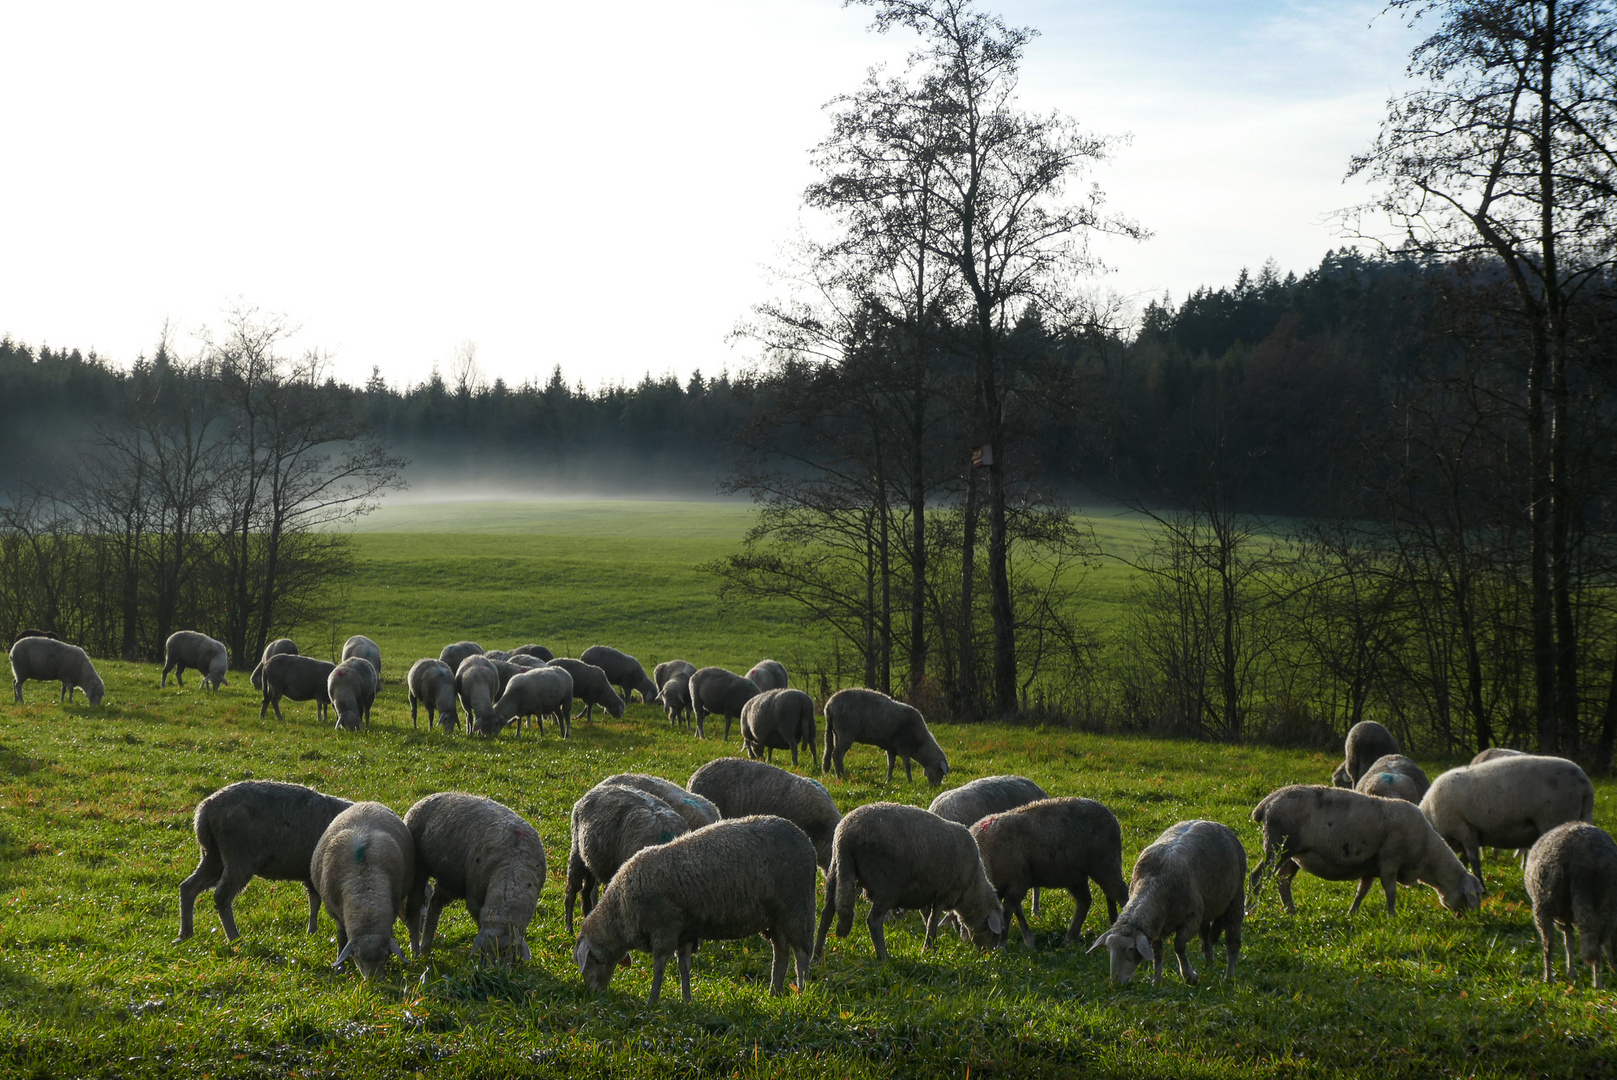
point(49, 660)
point(780, 719)
point(741, 788)
point(609, 824)
point(190, 649)
point(697, 811)
point(364, 870)
point(1508, 802)
point(622, 671)
point(277, 647)
point(299, 678)
point(541, 692)
point(363, 647)
point(351, 686)
point(1346, 836)
point(726, 882)
point(715, 691)
point(483, 852)
point(432, 684)
point(455, 654)
point(255, 828)
point(1366, 741)
point(869, 716)
point(905, 857)
point(1571, 877)
point(768, 675)
point(1053, 844)
point(477, 684)
point(1394, 777)
point(1186, 884)
point(590, 686)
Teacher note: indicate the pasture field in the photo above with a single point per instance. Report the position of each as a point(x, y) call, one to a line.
point(95, 807)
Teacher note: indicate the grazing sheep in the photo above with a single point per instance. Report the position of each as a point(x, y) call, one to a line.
point(970, 803)
point(255, 828)
point(361, 646)
point(1057, 844)
point(669, 668)
point(454, 654)
point(609, 824)
point(622, 671)
point(279, 646)
point(432, 684)
point(541, 692)
point(477, 684)
point(50, 660)
point(1572, 879)
point(189, 649)
point(870, 716)
point(1508, 802)
point(1188, 882)
point(1394, 777)
point(590, 686)
point(525, 662)
point(676, 698)
point(351, 686)
point(505, 670)
point(496, 654)
point(717, 692)
point(364, 870)
point(1366, 742)
point(539, 652)
point(483, 852)
point(905, 857)
point(769, 675)
point(1496, 752)
point(740, 788)
point(725, 882)
point(778, 720)
point(697, 811)
point(300, 678)
point(1345, 836)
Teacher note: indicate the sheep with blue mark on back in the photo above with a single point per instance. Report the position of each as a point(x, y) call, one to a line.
point(364, 870)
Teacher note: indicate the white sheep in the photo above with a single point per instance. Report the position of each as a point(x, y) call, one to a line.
point(50, 660)
point(190, 649)
point(364, 870)
point(1508, 802)
point(779, 719)
point(1571, 877)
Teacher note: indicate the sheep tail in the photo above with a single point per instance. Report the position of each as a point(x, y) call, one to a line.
point(843, 884)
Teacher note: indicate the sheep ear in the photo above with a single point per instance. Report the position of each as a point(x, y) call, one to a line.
point(581, 953)
point(522, 949)
point(996, 923)
point(1143, 945)
point(342, 957)
point(1102, 940)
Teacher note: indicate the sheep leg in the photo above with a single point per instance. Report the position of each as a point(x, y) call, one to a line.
point(1473, 856)
point(825, 915)
point(16, 691)
point(779, 965)
point(1181, 940)
point(933, 917)
point(1546, 937)
point(659, 964)
point(1083, 900)
point(794, 755)
point(314, 907)
point(179, 674)
point(685, 971)
point(164, 681)
point(205, 876)
point(701, 723)
point(1232, 940)
point(878, 935)
point(231, 883)
point(429, 925)
point(1358, 897)
point(1036, 905)
point(1566, 942)
point(892, 759)
point(1283, 876)
point(576, 873)
point(1389, 885)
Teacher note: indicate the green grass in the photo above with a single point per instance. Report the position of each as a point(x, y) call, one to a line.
point(95, 837)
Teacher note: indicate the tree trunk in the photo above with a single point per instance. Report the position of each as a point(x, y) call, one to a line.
point(917, 672)
point(1608, 722)
point(967, 685)
point(999, 579)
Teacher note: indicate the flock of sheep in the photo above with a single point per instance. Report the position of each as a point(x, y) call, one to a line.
point(734, 852)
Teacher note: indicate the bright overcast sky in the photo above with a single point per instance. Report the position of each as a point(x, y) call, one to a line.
point(557, 187)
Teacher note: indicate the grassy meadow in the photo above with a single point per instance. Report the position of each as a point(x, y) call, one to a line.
point(95, 836)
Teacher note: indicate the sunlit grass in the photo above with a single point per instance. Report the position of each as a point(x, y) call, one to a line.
point(95, 837)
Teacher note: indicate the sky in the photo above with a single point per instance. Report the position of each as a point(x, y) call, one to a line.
point(555, 187)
